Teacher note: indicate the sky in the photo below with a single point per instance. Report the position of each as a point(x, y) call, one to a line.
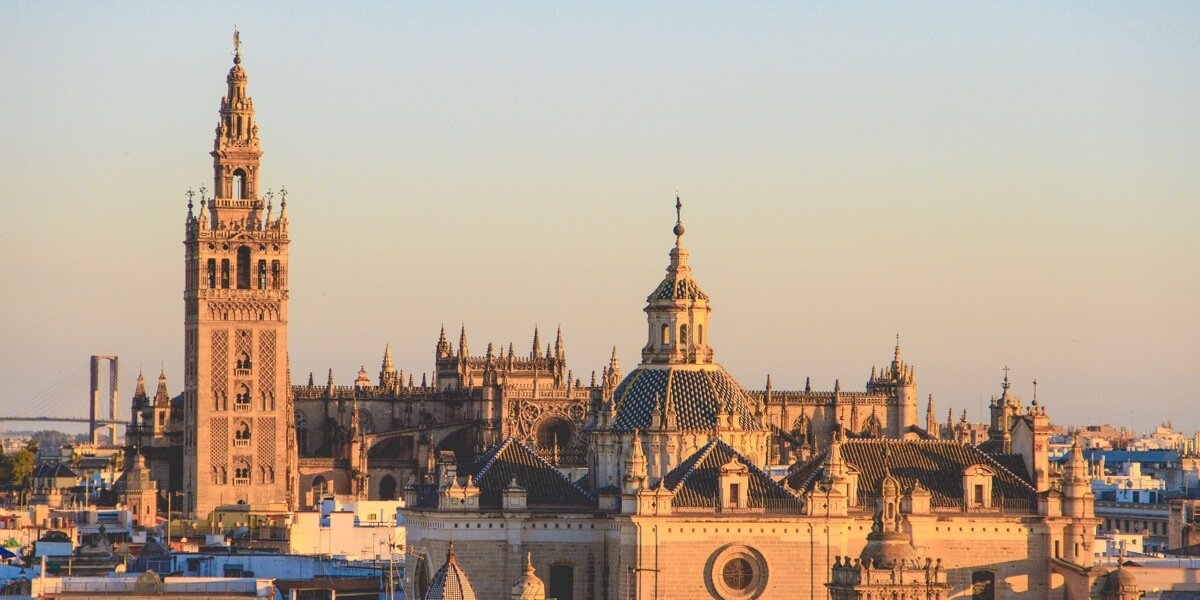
point(1002, 184)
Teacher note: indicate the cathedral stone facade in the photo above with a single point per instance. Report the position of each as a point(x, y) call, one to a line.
point(242, 432)
point(677, 501)
point(665, 482)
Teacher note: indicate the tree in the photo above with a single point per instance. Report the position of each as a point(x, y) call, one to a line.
point(17, 467)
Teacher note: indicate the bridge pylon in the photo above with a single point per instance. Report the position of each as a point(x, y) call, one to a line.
point(97, 430)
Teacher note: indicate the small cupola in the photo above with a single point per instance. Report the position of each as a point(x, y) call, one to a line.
point(677, 311)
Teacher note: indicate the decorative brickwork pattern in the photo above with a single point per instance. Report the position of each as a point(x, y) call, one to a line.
point(266, 366)
point(220, 362)
point(219, 438)
point(266, 441)
point(244, 343)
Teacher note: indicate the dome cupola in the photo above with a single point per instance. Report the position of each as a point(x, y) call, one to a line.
point(677, 311)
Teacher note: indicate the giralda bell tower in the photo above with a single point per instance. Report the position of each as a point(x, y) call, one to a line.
point(239, 436)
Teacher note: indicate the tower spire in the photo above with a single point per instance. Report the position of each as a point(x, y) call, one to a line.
point(236, 152)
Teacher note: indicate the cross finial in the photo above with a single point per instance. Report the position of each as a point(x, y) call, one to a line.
point(283, 197)
point(203, 191)
point(1005, 384)
point(190, 193)
point(237, 42)
point(1035, 392)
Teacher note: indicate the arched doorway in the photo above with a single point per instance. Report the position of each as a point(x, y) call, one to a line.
point(422, 579)
point(317, 489)
point(387, 488)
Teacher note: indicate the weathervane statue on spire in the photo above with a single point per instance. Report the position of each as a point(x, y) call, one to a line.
point(678, 215)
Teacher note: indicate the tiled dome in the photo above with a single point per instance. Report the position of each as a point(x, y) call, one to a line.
point(450, 582)
point(696, 393)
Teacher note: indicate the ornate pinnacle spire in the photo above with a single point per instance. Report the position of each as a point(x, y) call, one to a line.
point(536, 351)
point(140, 390)
point(462, 341)
point(283, 205)
point(559, 352)
point(443, 345)
point(162, 382)
point(203, 219)
point(387, 358)
point(329, 382)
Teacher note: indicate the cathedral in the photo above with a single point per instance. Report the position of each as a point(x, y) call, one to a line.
point(669, 481)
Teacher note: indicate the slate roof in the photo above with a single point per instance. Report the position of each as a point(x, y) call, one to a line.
point(936, 464)
point(694, 482)
point(545, 486)
point(697, 395)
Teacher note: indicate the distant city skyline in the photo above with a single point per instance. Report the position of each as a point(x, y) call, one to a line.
point(1002, 186)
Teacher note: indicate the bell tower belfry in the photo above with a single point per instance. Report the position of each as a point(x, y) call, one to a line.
point(239, 440)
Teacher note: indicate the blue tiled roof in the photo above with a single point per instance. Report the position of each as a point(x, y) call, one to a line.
point(677, 289)
point(1116, 457)
point(697, 395)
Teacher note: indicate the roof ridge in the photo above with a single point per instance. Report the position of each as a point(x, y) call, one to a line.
point(754, 468)
point(696, 458)
point(491, 457)
point(546, 463)
point(997, 464)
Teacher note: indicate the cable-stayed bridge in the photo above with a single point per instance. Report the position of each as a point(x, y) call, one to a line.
point(60, 403)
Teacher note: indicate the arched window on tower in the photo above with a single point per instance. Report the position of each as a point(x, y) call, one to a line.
point(225, 273)
point(700, 334)
point(683, 335)
point(239, 182)
point(212, 273)
point(666, 335)
point(241, 437)
point(241, 402)
point(262, 274)
point(275, 274)
point(243, 267)
point(241, 473)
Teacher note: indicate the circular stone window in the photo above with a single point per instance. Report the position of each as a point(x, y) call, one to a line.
point(736, 572)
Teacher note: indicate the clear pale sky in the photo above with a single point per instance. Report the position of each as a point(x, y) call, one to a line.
point(1002, 184)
